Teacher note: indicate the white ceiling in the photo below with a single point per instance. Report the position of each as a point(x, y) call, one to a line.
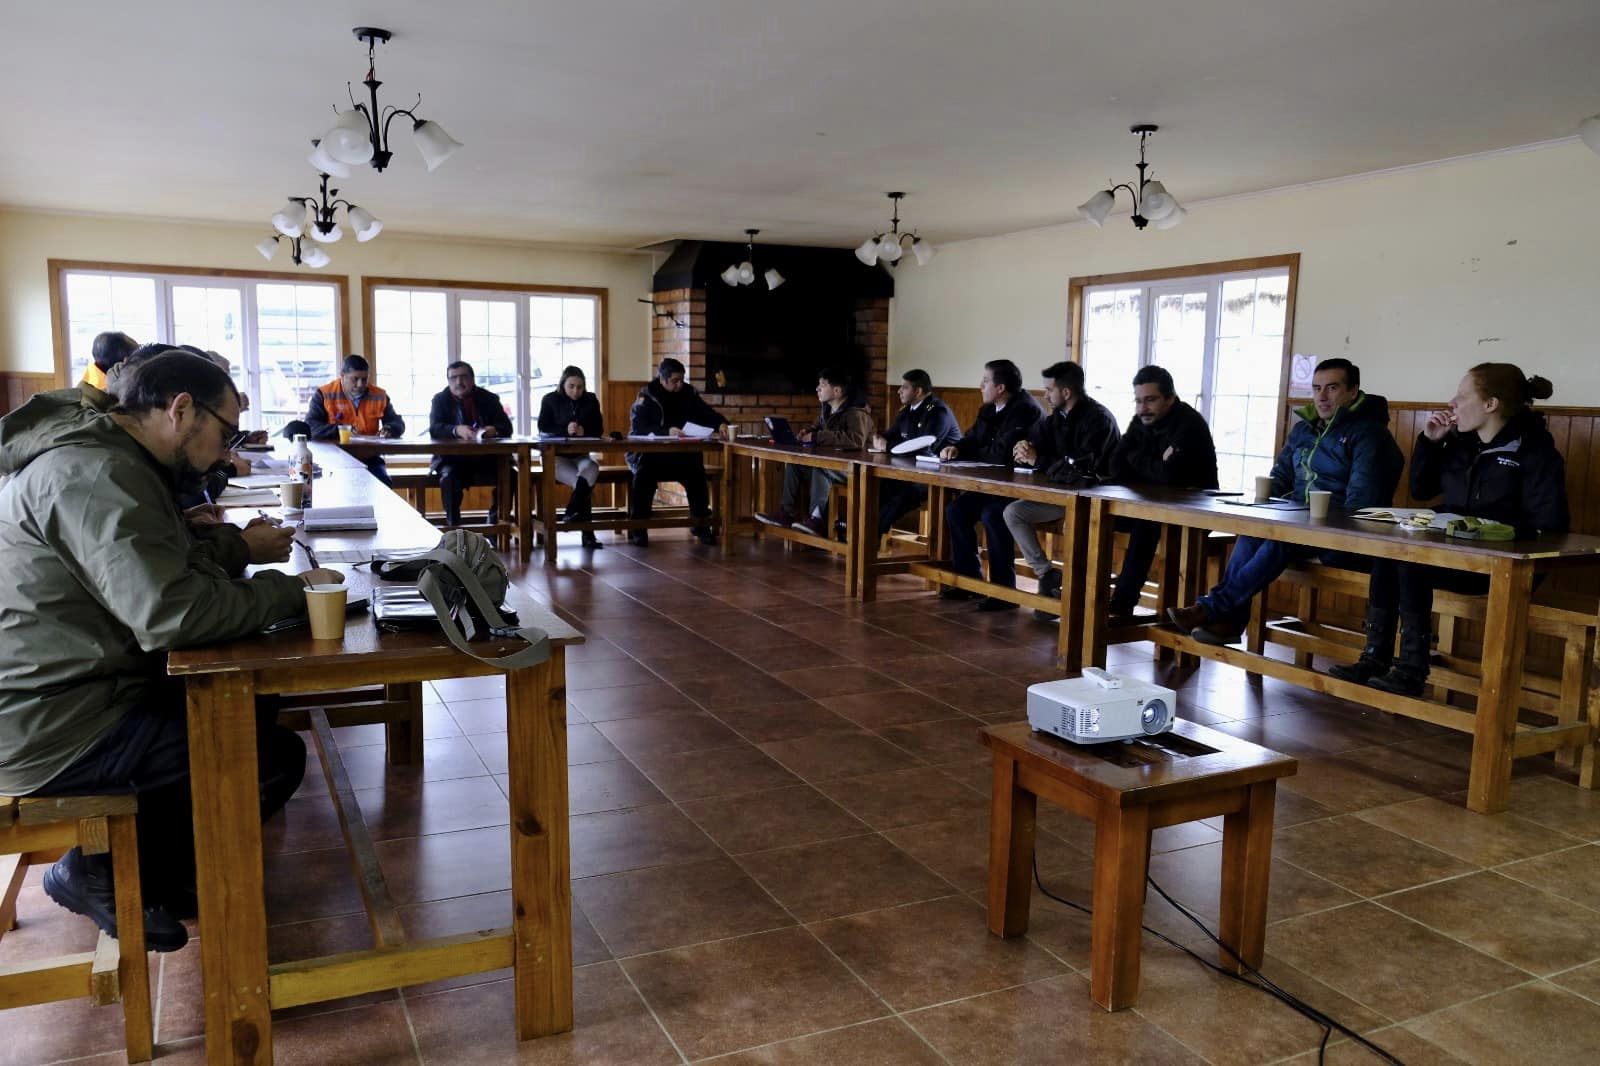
point(624, 122)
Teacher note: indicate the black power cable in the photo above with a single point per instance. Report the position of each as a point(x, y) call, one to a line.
point(1261, 982)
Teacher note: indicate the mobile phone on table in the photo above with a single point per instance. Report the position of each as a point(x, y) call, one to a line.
point(352, 607)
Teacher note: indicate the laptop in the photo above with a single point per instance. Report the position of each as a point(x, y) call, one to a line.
point(781, 432)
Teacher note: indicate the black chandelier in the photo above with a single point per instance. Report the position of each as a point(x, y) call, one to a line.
point(1151, 200)
point(362, 134)
point(313, 216)
point(300, 254)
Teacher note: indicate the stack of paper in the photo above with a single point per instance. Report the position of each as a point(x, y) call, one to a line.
point(324, 519)
point(232, 497)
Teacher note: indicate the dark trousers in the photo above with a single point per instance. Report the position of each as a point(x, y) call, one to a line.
point(962, 516)
point(896, 499)
point(652, 469)
point(147, 754)
point(380, 470)
point(1408, 587)
point(457, 474)
point(806, 488)
point(1143, 539)
point(1253, 566)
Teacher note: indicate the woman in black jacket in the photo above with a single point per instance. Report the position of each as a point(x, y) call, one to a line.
point(573, 411)
point(1489, 456)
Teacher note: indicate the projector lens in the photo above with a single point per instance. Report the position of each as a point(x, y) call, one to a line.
point(1155, 717)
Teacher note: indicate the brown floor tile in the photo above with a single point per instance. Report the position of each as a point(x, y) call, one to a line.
point(1537, 1022)
point(945, 741)
point(447, 865)
point(1585, 981)
point(864, 644)
point(1183, 835)
point(634, 701)
point(720, 772)
point(1343, 786)
point(668, 735)
point(926, 953)
point(1387, 962)
point(487, 910)
point(1507, 919)
point(845, 754)
point(67, 1029)
point(722, 694)
point(437, 722)
point(992, 696)
point(842, 877)
point(287, 878)
point(1402, 1043)
point(477, 1026)
point(783, 721)
point(780, 818)
point(585, 743)
point(480, 716)
point(957, 849)
point(632, 839)
point(936, 669)
point(788, 656)
point(904, 797)
point(1044, 1024)
point(706, 662)
point(469, 688)
point(875, 710)
point(608, 786)
point(1293, 808)
point(445, 758)
point(737, 994)
point(1232, 1023)
point(426, 807)
point(820, 681)
point(593, 650)
point(886, 1042)
point(671, 906)
point(1362, 857)
point(1555, 805)
point(1480, 839)
point(1193, 877)
point(1432, 771)
point(306, 823)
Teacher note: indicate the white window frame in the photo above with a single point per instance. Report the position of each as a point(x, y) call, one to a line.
point(519, 297)
point(165, 281)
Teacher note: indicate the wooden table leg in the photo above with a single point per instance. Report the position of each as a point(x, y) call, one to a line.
point(133, 966)
point(227, 836)
point(729, 504)
point(1074, 570)
point(541, 889)
point(402, 737)
point(1170, 593)
point(1011, 837)
point(1246, 870)
point(1505, 632)
point(852, 520)
point(521, 504)
point(1191, 579)
point(1096, 581)
point(1121, 861)
point(864, 537)
point(547, 503)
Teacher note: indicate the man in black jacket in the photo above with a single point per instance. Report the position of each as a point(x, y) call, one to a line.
point(922, 414)
point(1167, 443)
point(1073, 446)
point(1005, 418)
point(465, 412)
point(663, 408)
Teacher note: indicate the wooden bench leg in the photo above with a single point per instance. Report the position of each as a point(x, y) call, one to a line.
point(1011, 838)
point(403, 736)
point(1246, 869)
point(1446, 630)
point(1308, 613)
point(133, 967)
point(1255, 632)
point(1587, 775)
point(1576, 653)
point(1121, 861)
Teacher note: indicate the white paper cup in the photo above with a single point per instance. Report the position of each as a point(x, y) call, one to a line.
point(1319, 500)
point(1263, 489)
point(293, 494)
point(325, 606)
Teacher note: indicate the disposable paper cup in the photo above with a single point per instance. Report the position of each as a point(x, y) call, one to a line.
point(325, 605)
point(293, 494)
point(1263, 489)
point(1319, 501)
point(344, 434)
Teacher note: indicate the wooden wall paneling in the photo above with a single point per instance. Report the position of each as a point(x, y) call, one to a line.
point(16, 388)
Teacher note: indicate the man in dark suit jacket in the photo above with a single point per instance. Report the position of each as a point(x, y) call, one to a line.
point(922, 414)
point(465, 412)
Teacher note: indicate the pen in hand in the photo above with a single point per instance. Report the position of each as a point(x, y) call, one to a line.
point(311, 556)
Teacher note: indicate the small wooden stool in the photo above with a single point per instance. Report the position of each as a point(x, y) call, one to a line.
point(36, 829)
point(1127, 790)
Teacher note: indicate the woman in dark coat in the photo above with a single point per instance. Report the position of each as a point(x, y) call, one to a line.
point(1489, 456)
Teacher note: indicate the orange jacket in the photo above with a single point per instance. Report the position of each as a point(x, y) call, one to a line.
point(95, 376)
point(365, 418)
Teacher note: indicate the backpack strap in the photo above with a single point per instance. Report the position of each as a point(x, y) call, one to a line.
point(432, 589)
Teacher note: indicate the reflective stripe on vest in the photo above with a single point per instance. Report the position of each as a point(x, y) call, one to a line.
point(365, 418)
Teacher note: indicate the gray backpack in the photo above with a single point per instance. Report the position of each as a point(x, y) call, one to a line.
point(465, 582)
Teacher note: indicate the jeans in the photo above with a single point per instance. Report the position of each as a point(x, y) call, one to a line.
point(654, 468)
point(1021, 517)
point(961, 516)
point(811, 482)
point(896, 499)
point(147, 754)
point(456, 474)
point(1253, 566)
point(380, 470)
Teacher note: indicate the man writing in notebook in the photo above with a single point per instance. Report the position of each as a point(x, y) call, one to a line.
point(103, 580)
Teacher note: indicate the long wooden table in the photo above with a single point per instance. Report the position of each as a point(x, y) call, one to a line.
point(744, 486)
point(510, 453)
point(1498, 736)
point(550, 447)
point(240, 987)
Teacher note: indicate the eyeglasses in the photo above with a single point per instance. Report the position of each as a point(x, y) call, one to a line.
point(234, 436)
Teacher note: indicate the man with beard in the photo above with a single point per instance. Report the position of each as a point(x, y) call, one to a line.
point(664, 406)
point(351, 400)
point(102, 580)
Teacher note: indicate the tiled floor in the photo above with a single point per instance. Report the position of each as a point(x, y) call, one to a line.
point(779, 833)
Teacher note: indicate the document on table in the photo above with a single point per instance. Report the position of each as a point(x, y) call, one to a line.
point(957, 464)
point(258, 481)
point(319, 519)
point(1408, 517)
point(1274, 504)
point(232, 497)
point(695, 431)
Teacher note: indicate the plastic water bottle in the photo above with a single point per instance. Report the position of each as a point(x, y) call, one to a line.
point(300, 468)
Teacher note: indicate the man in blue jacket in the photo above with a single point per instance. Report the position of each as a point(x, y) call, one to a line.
point(1341, 445)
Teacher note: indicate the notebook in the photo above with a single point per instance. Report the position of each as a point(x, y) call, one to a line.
point(325, 519)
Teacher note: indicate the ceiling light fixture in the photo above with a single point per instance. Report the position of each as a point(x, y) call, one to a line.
point(301, 254)
point(744, 273)
point(362, 134)
point(889, 246)
point(1151, 200)
point(1589, 131)
point(314, 217)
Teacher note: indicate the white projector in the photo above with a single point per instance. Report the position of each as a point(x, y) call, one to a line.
point(1100, 707)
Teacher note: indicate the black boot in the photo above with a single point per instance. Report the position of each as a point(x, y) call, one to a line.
point(578, 506)
point(82, 884)
point(1409, 675)
point(1378, 655)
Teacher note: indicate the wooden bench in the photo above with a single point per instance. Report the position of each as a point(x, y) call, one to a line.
point(1127, 790)
point(35, 830)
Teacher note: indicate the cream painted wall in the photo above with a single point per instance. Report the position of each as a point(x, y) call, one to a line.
point(1415, 275)
point(29, 239)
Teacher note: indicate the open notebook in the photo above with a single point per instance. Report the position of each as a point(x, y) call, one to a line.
point(324, 519)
